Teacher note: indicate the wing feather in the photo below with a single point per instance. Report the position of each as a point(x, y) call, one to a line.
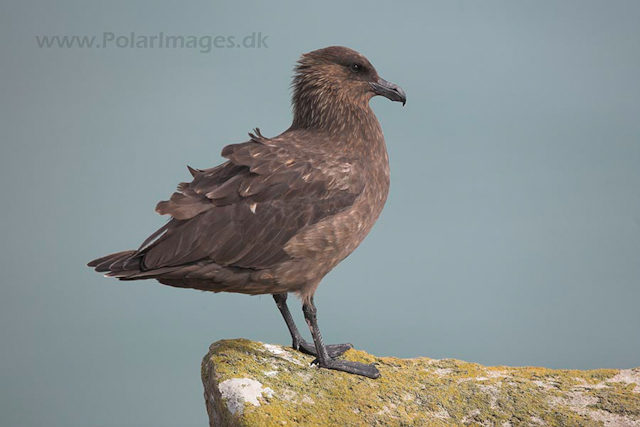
point(244, 211)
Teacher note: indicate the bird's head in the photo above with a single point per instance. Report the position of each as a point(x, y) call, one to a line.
point(337, 76)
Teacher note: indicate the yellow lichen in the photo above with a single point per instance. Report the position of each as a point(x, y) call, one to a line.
point(412, 392)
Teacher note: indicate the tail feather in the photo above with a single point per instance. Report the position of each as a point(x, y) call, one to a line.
point(105, 258)
point(150, 274)
point(205, 275)
point(100, 260)
point(114, 262)
point(127, 265)
point(118, 263)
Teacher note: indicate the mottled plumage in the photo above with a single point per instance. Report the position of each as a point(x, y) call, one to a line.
point(281, 212)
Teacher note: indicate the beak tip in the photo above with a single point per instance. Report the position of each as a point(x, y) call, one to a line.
point(389, 90)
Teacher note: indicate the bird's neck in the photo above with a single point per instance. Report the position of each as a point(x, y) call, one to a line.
point(351, 130)
point(338, 119)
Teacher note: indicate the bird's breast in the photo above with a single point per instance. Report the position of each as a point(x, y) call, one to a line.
point(329, 241)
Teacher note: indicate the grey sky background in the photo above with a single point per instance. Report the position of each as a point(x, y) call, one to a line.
point(511, 235)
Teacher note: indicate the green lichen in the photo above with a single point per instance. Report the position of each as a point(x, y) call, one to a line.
point(411, 392)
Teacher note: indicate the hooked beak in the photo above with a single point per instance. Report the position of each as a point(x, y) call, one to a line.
point(389, 90)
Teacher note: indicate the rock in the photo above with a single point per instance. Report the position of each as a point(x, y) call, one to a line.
point(254, 384)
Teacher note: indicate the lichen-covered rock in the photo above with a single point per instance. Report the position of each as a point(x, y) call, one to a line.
point(253, 384)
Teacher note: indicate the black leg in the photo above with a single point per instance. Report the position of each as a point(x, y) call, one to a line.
point(323, 359)
point(299, 343)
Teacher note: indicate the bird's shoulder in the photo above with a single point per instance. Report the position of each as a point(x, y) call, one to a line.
point(311, 156)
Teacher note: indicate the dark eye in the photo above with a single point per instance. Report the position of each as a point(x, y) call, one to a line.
point(356, 68)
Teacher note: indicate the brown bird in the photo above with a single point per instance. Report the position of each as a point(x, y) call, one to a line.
point(281, 212)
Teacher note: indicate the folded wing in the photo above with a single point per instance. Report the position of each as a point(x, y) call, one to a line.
point(243, 212)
